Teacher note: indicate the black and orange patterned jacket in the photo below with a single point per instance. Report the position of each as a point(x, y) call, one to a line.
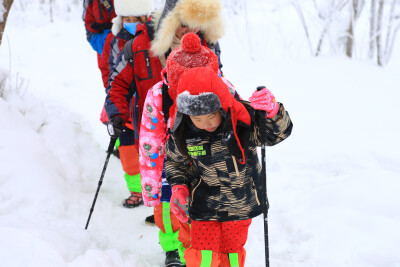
point(221, 188)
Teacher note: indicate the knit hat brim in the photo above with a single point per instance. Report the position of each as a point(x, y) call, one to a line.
point(203, 81)
point(195, 105)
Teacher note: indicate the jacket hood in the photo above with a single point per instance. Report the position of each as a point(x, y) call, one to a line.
point(202, 14)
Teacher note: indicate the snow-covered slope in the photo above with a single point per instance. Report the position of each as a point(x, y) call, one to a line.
point(332, 185)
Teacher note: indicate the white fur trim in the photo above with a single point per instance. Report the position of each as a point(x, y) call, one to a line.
point(135, 8)
point(203, 14)
point(117, 25)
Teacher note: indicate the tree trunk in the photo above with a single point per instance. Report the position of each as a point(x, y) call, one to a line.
point(372, 30)
point(350, 31)
point(7, 6)
point(379, 45)
point(356, 8)
point(303, 22)
point(389, 33)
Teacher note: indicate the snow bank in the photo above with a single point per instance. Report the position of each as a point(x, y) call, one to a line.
point(332, 185)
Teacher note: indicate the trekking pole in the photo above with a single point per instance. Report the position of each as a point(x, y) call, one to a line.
point(109, 151)
point(266, 205)
point(264, 187)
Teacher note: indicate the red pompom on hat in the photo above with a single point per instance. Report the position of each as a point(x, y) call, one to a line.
point(191, 54)
point(191, 43)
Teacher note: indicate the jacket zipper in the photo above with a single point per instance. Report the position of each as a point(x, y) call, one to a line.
point(254, 186)
point(236, 167)
point(194, 189)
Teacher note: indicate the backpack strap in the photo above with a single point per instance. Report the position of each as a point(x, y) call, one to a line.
point(167, 102)
point(128, 53)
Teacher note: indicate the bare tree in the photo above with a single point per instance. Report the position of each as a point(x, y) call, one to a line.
point(7, 6)
point(372, 30)
point(384, 25)
point(391, 31)
point(356, 8)
point(379, 28)
point(335, 9)
point(299, 11)
point(391, 26)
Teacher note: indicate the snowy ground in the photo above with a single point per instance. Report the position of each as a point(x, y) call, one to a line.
point(333, 185)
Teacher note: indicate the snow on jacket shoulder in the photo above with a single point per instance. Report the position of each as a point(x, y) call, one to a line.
point(152, 139)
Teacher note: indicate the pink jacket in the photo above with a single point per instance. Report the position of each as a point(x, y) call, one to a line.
point(152, 139)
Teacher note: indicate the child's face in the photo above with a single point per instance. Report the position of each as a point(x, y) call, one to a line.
point(183, 29)
point(133, 19)
point(209, 122)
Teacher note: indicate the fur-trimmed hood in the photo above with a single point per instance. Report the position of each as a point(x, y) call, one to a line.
point(203, 14)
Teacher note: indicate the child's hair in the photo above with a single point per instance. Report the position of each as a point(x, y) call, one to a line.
point(181, 138)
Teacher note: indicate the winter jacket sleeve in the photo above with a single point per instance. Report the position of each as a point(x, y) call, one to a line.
point(119, 93)
point(88, 18)
point(97, 41)
point(272, 131)
point(97, 21)
point(153, 132)
point(114, 53)
point(104, 66)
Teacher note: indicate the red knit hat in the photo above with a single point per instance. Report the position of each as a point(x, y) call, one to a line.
point(201, 91)
point(191, 54)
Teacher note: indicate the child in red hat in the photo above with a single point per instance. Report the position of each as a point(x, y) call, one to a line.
point(212, 163)
point(155, 122)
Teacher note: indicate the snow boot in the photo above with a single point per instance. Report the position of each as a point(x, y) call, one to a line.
point(150, 220)
point(172, 259)
point(133, 201)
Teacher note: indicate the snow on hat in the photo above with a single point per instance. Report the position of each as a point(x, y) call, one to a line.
point(201, 91)
point(190, 54)
point(126, 8)
point(202, 14)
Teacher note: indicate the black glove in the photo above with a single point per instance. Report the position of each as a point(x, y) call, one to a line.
point(115, 126)
point(100, 27)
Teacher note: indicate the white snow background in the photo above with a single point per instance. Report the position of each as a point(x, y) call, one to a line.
point(333, 185)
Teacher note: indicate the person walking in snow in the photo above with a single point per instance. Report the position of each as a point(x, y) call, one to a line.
point(212, 163)
point(130, 13)
point(97, 16)
point(135, 76)
point(154, 129)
